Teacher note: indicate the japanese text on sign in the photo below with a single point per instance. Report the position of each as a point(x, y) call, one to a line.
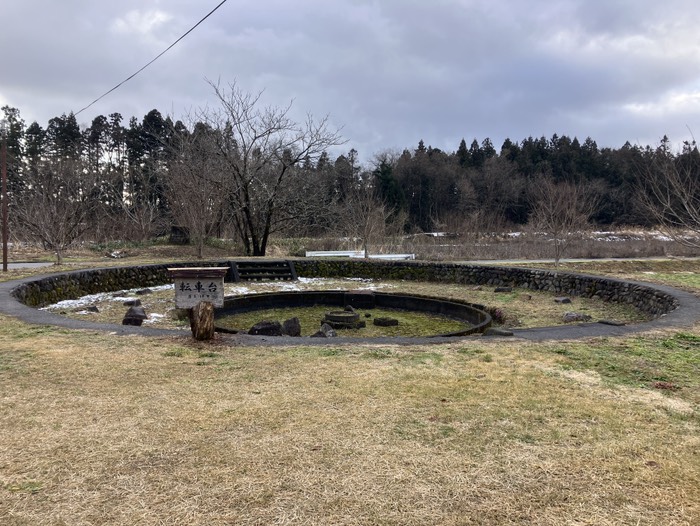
point(194, 285)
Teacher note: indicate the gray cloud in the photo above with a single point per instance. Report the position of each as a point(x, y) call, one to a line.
point(390, 72)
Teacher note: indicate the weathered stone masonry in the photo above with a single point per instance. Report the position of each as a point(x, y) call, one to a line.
point(51, 289)
point(647, 299)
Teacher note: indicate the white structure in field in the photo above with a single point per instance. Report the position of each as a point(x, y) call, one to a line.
point(355, 254)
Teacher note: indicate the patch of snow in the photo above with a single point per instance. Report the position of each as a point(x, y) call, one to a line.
point(287, 286)
point(310, 280)
point(119, 296)
point(238, 290)
point(79, 302)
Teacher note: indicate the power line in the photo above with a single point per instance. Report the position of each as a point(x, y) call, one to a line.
point(152, 61)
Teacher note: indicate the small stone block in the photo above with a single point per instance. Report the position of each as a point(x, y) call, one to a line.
point(291, 327)
point(134, 316)
point(266, 328)
point(562, 300)
point(614, 323)
point(572, 317)
point(503, 289)
point(326, 331)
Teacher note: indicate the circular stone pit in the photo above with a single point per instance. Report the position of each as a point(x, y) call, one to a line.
point(670, 307)
point(475, 318)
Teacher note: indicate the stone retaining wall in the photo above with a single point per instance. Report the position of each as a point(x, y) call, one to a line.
point(51, 289)
point(647, 299)
point(71, 285)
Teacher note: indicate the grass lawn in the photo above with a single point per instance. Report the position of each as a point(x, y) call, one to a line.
point(97, 429)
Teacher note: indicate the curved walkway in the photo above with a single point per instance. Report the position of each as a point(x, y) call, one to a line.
point(685, 316)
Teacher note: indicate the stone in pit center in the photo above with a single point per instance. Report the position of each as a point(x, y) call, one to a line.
point(266, 328)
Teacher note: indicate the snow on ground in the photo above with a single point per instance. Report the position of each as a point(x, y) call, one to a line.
point(117, 296)
point(231, 289)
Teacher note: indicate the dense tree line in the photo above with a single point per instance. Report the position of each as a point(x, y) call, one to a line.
point(247, 172)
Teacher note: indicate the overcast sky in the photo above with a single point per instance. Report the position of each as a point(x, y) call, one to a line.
point(389, 72)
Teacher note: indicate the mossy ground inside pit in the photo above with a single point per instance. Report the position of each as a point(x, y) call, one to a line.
point(411, 324)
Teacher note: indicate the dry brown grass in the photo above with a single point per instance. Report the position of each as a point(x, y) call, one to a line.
point(97, 429)
point(102, 430)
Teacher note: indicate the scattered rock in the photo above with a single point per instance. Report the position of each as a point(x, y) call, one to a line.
point(292, 327)
point(87, 308)
point(494, 331)
point(368, 314)
point(134, 316)
point(614, 323)
point(572, 317)
point(386, 322)
point(143, 292)
point(132, 303)
point(562, 300)
point(526, 297)
point(266, 328)
point(503, 289)
point(326, 331)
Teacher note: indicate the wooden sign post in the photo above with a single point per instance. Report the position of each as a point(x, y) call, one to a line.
point(199, 289)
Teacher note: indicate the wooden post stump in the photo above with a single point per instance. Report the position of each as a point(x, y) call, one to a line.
point(202, 321)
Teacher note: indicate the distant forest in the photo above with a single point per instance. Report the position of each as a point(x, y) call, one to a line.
point(125, 173)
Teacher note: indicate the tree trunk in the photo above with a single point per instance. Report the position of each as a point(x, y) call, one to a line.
point(202, 321)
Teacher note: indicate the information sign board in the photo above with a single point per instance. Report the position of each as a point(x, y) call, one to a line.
point(195, 284)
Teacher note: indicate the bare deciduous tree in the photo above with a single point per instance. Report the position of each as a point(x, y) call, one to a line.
point(365, 217)
point(561, 210)
point(260, 147)
point(669, 191)
point(195, 185)
point(57, 203)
